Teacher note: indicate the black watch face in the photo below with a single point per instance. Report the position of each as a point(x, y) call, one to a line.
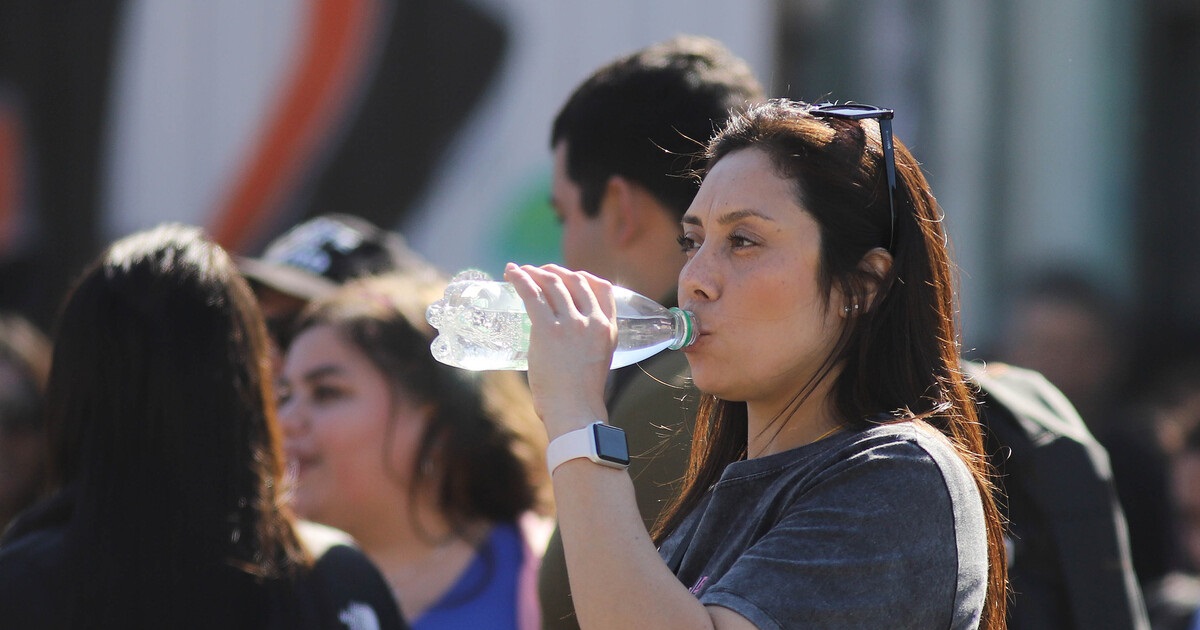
point(610, 444)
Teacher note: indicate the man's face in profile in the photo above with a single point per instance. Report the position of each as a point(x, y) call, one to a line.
point(583, 238)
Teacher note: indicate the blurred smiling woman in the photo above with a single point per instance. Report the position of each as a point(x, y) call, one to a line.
point(437, 473)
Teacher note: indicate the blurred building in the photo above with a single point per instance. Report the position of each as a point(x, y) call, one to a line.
point(1055, 133)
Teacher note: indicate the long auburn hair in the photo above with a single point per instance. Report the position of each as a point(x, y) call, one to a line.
point(899, 358)
point(162, 427)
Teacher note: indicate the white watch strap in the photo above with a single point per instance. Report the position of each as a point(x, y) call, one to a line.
point(568, 446)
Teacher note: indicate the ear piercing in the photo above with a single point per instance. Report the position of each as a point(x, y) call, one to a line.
point(848, 309)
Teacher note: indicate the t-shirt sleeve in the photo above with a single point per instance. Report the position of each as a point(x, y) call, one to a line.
point(869, 543)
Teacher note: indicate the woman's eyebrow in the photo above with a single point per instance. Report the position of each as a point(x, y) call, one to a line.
point(729, 217)
point(321, 371)
point(738, 215)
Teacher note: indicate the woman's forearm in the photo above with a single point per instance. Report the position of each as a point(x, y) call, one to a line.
point(617, 578)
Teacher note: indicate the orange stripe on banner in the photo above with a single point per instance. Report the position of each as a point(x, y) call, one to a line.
point(319, 89)
point(11, 176)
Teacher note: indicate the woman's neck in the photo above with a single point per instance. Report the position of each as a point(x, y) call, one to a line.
point(781, 425)
point(421, 558)
point(420, 579)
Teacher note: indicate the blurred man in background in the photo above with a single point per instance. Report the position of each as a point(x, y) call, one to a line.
point(623, 146)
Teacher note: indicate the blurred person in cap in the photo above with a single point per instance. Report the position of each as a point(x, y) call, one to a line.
point(314, 258)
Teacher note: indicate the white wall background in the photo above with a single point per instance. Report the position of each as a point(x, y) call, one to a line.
point(504, 151)
point(196, 83)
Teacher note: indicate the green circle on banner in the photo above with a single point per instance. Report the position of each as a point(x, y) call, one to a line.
point(529, 233)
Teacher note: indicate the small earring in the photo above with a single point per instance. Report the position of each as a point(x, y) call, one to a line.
point(846, 309)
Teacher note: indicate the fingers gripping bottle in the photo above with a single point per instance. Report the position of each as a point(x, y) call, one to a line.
point(482, 325)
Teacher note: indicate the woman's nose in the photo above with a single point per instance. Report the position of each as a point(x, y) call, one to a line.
point(292, 419)
point(696, 279)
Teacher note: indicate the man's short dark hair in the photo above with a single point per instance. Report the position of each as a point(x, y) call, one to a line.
point(645, 115)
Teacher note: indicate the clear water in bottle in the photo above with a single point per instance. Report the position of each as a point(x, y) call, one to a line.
point(482, 325)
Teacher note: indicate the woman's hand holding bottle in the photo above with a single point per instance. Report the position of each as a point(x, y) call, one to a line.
point(573, 334)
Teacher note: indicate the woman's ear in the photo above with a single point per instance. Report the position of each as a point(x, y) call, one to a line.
point(875, 267)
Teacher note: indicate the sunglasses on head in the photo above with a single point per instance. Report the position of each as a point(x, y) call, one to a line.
point(858, 111)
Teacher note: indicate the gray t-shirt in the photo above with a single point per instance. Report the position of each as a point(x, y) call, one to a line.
point(879, 528)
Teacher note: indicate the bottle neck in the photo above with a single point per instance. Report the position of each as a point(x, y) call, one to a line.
point(685, 328)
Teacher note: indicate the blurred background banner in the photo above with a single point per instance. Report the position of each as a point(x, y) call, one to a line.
point(1058, 135)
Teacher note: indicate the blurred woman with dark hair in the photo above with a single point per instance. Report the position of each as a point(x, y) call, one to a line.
point(436, 472)
point(169, 510)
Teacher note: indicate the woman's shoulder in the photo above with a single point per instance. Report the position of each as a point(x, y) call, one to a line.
point(912, 438)
point(903, 458)
point(318, 539)
point(899, 430)
point(911, 447)
point(898, 443)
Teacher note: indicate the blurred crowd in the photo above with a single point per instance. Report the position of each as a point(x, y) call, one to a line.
point(309, 364)
point(1077, 335)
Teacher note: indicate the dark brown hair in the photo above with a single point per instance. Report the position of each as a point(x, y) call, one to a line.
point(645, 115)
point(899, 358)
point(161, 423)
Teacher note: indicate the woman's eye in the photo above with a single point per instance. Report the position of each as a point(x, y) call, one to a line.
point(738, 241)
point(687, 243)
point(282, 395)
point(325, 393)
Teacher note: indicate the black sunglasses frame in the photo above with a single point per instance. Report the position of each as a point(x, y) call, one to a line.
point(858, 111)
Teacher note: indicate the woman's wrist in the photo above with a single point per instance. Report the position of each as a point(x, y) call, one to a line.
point(562, 425)
point(598, 442)
point(569, 415)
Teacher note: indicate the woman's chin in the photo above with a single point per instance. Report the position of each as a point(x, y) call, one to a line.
point(706, 383)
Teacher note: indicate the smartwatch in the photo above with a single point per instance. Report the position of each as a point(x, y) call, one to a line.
point(598, 442)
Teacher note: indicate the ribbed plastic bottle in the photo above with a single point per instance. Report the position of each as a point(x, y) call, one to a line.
point(482, 325)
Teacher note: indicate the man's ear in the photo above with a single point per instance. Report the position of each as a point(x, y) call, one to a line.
point(875, 267)
point(619, 209)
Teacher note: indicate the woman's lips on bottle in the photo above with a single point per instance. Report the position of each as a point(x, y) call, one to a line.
point(701, 336)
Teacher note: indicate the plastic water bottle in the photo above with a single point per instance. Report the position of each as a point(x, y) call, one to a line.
point(482, 325)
